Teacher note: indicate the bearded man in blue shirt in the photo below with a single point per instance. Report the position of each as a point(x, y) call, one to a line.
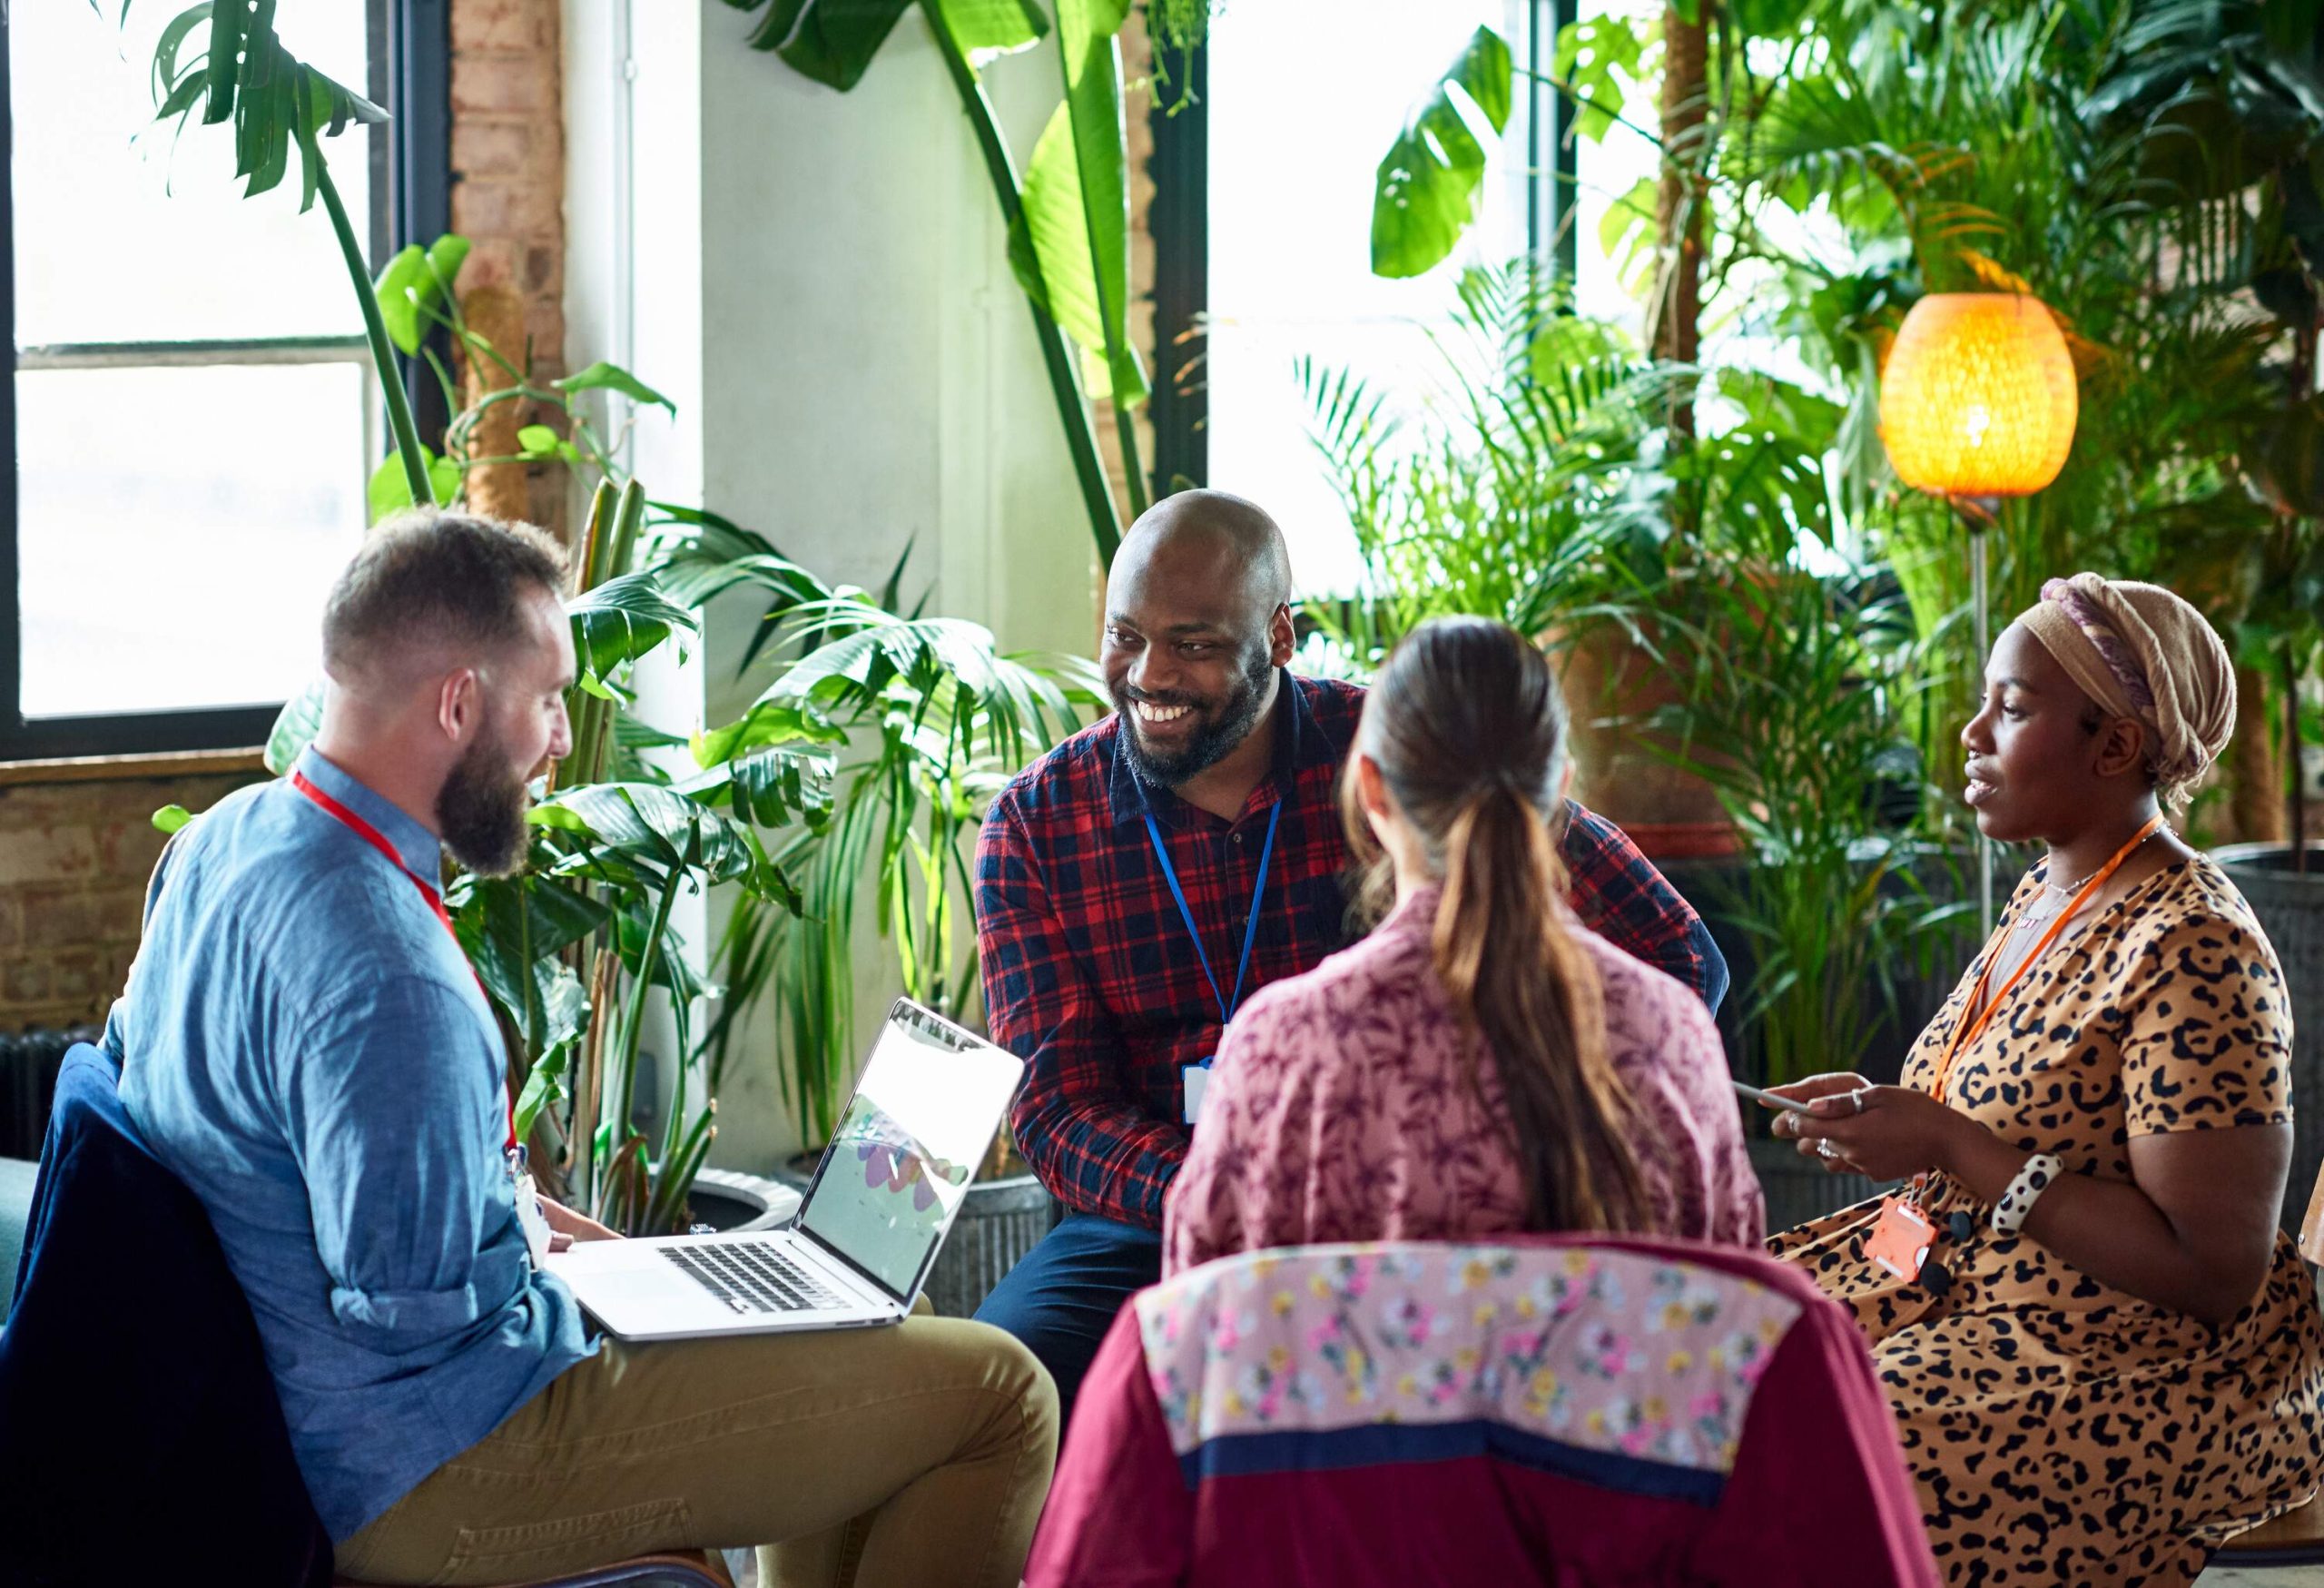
point(303, 1043)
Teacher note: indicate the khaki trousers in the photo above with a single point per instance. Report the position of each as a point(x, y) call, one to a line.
point(919, 1454)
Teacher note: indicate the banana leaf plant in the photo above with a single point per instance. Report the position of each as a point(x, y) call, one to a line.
point(1067, 214)
point(926, 719)
point(240, 72)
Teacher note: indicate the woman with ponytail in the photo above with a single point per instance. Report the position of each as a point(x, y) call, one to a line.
point(1482, 1063)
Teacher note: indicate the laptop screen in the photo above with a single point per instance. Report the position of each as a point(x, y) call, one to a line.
point(900, 1163)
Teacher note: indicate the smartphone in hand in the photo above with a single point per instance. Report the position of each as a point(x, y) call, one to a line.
point(1759, 1096)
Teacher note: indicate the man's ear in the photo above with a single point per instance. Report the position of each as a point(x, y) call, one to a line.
point(1283, 635)
point(2122, 746)
point(460, 705)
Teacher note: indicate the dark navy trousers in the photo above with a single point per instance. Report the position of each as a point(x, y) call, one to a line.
point(1063, 1298)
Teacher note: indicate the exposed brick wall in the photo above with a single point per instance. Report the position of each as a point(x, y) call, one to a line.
point(509, 184)
point(74, 858)
point(508, 158)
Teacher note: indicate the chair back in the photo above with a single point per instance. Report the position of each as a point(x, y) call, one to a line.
point(1533, 1409)
point(136, 1410)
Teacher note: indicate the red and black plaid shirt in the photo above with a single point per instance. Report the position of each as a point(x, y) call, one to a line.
point(1089, 976)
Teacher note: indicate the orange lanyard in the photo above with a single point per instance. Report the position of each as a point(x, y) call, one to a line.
point(1964, 1030)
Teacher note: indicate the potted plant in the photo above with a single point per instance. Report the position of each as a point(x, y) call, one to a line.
point(1799, 719)
point(923, 719)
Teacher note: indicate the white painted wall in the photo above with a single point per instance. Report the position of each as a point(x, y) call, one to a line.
point(819, 281)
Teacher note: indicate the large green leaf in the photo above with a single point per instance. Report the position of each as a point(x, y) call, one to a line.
point(390, 488)
point(1090, 50)
point(653, 833)
point(295, 728)
point(415, 281)
point(1595, 57)
point(1048, 248)
point(774, 787)
point(613, 377)
point(510, 927)
point(244, 74)
point(985, 30)
point(831, 41)
point(620, 621)
point(1426, 188)
point(767, 723)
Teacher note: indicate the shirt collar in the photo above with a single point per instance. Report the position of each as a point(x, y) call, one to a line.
point(421, 851)
point(1298, 744)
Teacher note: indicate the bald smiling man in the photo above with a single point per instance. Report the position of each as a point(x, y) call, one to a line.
point(1138, 882)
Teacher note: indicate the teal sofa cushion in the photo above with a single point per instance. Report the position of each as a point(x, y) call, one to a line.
point(17, 1179)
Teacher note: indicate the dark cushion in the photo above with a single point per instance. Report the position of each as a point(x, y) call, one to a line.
point(139, 1428)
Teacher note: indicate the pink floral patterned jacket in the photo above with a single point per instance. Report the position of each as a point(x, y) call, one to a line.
point(1339, 1111)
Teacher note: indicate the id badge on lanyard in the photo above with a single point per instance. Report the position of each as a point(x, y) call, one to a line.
point(1194, 1079)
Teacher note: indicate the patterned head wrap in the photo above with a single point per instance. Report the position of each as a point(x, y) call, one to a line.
point(2140, 652)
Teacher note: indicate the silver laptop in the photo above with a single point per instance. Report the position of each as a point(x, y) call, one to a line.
point(889, 1187)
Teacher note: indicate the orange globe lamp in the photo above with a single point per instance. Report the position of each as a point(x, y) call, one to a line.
point(1978, 402)
point(1978, 399)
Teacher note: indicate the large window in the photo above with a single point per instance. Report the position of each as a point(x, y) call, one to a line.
point(193, 412)
point(1263, 222)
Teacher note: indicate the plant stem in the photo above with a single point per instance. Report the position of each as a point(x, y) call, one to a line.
point(1065, 385)
point(383, 352)
point(624, 1090)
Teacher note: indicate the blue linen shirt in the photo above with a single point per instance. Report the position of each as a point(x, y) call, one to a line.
point(304, 1046)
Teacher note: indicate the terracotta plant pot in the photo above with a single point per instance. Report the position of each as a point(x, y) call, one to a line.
point(1611, 688)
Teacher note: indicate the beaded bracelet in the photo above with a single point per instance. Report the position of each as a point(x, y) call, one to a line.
point(2041, 1172)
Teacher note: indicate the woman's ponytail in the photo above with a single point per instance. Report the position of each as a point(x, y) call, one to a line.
point(1467, 731)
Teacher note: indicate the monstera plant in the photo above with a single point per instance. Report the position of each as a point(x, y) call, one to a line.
point(228, 61)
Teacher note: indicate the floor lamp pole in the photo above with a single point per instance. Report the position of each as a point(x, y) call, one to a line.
point(1978, 515)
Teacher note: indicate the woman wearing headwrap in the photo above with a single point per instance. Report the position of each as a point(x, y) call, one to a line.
point(2103, 1356)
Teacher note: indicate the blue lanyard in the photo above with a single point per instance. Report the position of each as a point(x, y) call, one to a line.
point(1227, 1007)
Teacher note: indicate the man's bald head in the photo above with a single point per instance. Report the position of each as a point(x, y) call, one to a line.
point(1198, 621)
point(1229, 534)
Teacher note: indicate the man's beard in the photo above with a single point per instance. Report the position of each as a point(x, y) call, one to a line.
point(480, 810)
point(1224, 725)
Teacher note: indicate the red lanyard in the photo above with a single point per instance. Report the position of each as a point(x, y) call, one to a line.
point(377, 840)
point(1977, 1015)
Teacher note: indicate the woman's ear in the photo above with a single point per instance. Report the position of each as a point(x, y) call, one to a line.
point(2122, 747)
point(1370, 789)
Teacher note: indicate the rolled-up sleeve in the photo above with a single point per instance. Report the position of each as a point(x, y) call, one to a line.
point(395, 1099)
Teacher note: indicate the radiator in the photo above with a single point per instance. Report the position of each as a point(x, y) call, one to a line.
point(28, 1065)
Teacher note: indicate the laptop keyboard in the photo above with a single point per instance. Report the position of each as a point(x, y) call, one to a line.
point(752, 1276)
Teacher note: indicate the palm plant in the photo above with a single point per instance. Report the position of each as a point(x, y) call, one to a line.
point(927, 719)
point(1799, 712)
point(1524, 490)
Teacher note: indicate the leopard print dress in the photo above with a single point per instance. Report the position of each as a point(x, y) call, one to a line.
point(2060, 1431)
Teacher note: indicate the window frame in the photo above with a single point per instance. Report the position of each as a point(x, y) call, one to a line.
point(1179, 222)
point(410, 170)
